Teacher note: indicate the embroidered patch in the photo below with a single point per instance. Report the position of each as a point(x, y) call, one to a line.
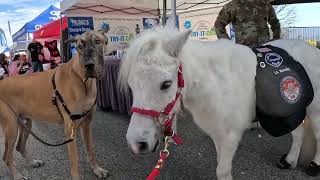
point(263, 50)
point(273, 59)
point(290, 89)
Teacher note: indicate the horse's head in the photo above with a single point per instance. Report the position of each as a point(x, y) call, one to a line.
point(150, 68)
point(90, 46)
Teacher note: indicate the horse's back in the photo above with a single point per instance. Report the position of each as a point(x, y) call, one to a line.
point(227, 74)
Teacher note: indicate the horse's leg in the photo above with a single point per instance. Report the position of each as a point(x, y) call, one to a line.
point(228, 147)
point(314, 166)
point(87, 139)
point(217, 139)
point(21, 145)
point(291, 160)
point(72, 149)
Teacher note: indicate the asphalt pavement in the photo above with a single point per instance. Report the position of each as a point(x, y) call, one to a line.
point(255, 158)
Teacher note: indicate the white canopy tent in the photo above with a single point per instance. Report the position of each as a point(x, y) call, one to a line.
point(184, 6)
point(110, 7)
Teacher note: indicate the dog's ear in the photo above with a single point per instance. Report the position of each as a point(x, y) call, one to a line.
point(74, 39)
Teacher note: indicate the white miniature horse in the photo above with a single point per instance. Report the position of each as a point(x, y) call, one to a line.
point(219, 89)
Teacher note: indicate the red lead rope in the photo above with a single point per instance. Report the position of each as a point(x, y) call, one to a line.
point(156, 171)
point(163, 156)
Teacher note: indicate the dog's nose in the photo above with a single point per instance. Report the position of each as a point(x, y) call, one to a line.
point(89, 66)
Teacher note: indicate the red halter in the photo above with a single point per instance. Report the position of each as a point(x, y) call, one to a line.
point(166, 124)
point(164, 114)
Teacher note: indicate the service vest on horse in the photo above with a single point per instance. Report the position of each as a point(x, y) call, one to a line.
point(283, 90)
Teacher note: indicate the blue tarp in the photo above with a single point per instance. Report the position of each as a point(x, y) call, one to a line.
point(50, 14)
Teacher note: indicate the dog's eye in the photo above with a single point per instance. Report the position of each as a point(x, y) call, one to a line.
point(97, 41)
point(80, 46)
point(165, 85)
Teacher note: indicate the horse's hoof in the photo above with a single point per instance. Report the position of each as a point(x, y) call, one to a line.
point(283, 164)
point(101, 173)
point(37, 163)
point(313, 169)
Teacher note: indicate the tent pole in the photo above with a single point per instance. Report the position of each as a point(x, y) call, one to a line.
point(164, 14)
point(173, 10)
point(61, 41)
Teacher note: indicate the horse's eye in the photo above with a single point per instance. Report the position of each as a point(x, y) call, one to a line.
point(165, 85)
point(97, 41)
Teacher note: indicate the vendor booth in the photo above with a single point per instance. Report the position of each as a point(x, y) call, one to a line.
point(52, 30)
point(50, 35)
point(125, 19)
point(23, 36)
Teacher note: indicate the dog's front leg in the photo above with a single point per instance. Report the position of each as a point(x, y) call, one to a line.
point(72, 150)
point(87, 139)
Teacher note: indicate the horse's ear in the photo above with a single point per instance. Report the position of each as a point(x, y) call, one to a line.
point(174, 45)
point(149, 46)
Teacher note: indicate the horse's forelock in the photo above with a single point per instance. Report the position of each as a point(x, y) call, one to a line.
point(138, 46)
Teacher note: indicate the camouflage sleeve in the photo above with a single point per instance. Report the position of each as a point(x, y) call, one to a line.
point(223, 19)
point(274, 22)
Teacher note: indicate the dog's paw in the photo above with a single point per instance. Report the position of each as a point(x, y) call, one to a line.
point(37, 163)
point(101, 173)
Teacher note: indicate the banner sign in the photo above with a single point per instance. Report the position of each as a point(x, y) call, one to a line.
point(77, 26)
point(202, 26)
point(122, 30)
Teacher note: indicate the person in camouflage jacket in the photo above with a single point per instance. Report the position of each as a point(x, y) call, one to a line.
point(250, 20)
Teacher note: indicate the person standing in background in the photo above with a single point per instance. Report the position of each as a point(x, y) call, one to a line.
point(36, 49)
point(250, 20)
point(23, 67)
point(4, 72)
point(13, 65)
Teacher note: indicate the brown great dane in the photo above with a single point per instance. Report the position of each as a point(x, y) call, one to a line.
point(74, 98)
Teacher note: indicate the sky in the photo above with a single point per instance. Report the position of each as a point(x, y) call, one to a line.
point(19, 12)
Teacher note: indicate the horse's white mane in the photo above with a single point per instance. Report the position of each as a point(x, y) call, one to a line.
point(131, 56)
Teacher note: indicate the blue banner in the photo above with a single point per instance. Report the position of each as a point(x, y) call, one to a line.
point(77, 26)
point(149, 23)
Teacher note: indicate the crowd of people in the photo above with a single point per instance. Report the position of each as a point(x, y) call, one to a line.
point(33, 62)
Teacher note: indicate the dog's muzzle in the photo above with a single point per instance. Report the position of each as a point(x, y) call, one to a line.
point(90, 70)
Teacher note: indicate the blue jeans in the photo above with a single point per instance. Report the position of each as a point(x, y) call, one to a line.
point(37, 66)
